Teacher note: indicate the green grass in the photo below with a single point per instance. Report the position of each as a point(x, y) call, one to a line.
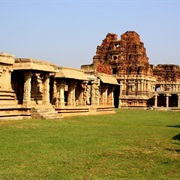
point(132, 144)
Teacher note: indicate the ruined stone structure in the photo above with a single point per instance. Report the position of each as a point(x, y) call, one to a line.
point(120, 76)
point(167, 88)
point(141, 85)
point(37, 89)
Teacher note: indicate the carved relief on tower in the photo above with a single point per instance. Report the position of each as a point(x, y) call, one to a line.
point(5, 77)
point(167, 72)
point(127, 55)
point(103, 68)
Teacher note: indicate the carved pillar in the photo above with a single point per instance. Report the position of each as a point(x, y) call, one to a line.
point(176, 87)
point(71, 94)
point(46, 89)
point(145, 85)
point(104, 94)
point(87, 94)
point(110, 97)
point(138, 85)
point(27, 89)
point(83, 93)
point(142, 85)
point(61, 93)
point(95, 92)
point(55, 93)
point(8, 77)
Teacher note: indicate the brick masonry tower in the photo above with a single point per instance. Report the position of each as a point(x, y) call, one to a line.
point(127, 60)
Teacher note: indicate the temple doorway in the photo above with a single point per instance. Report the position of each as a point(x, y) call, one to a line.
point(116, 96)
point(161, 100)
point(173, 100)
point(17, 81)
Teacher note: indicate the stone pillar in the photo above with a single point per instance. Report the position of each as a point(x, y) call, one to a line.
point(83, 93)
point(155, 100)
point(55, 93)
point(120, 94)
point(176, 87)
point(8, 78)
point(178, 100)
point(167, 100)
point(27, 89)
point(61, 93)
point(142, 85)
point(46, 89)
point(71, 94)
point(110, 97)
point(104, 95)
point(138, 85)
point(95, 92)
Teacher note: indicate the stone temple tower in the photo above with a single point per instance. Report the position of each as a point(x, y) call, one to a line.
point(127, 60)
point(125, 56)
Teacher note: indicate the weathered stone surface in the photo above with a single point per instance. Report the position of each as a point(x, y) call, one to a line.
point(6, 58)
point(32, 64)
point(167, 72)
point(124, 56)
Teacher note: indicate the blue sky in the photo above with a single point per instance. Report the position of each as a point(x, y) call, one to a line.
point(67, 32)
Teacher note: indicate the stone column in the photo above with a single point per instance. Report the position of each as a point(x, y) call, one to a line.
point(27, 89)
point(167, 100)
point(142, 85)
point(46, 89)
point(176, 87)
point(104, 95)
point(55, 93)
point(120, 94)
point(178, 100)
point(95, 92)
point(110, 98)
point(8, 77)
point(61, 93)
point(155, 100)
point(71, 94)
point(83, 93)
point(138, 85)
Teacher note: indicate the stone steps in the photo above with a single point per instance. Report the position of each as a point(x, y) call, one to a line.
point(45, 112)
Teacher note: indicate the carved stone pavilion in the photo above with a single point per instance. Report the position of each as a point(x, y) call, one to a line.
point(37, 89)
point(120, 76)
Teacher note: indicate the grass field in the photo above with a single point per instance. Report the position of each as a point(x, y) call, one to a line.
point(132, 144)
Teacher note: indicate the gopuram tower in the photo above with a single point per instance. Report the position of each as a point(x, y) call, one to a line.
point(127, 60)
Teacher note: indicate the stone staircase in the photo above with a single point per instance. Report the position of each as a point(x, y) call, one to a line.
point(45, 112)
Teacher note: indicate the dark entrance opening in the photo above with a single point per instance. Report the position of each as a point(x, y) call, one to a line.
point(52, 98)
point(150, 102)
point(116, 96)
point(161, 100)
point(114, 70)
point(173, 100)
point(17, 81)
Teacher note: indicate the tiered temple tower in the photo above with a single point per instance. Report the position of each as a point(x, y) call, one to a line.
point(127, 60)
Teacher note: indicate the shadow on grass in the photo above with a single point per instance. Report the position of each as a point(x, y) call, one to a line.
point(176, 126)
point(177, 137)
point(176, 150)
